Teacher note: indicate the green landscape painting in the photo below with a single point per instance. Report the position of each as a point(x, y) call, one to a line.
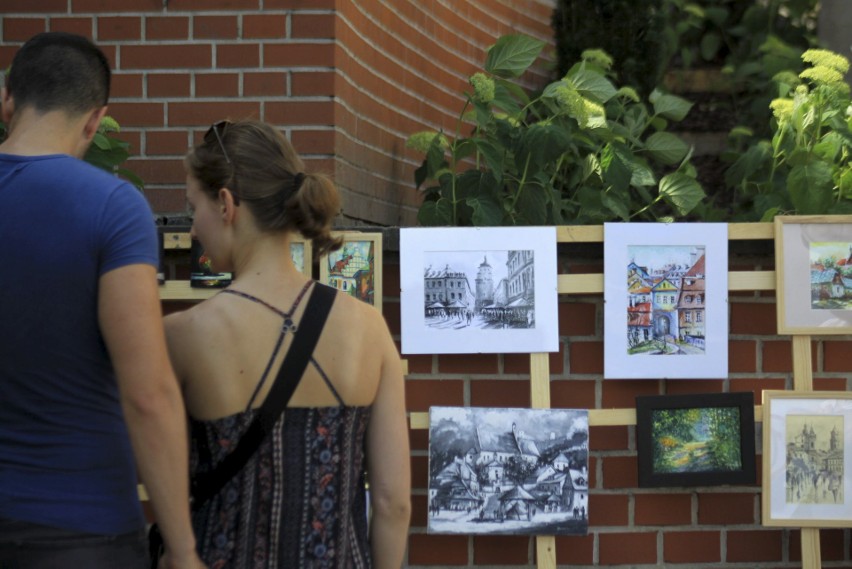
point(696, 439)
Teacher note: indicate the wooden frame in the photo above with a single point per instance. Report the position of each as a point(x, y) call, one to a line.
point(301, 252)
point(657, 443)
point(349, 276)
point(812, 293)
point(807, 458)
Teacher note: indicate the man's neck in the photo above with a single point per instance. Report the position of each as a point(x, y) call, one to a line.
point(38, 134)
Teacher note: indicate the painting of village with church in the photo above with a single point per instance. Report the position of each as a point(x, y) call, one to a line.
point(479, 289)
point(508, 471)
point(666, 304)
point(831, 275)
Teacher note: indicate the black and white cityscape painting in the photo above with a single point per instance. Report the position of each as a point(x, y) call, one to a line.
point(478, 290)
point(508, 471)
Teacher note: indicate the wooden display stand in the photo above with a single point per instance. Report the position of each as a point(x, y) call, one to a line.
point(594, 284)
point(539, 363)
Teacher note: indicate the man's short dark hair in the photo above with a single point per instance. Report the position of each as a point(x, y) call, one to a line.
point(59, 71)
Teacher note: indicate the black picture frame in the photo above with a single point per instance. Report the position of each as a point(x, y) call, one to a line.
point(656, 441)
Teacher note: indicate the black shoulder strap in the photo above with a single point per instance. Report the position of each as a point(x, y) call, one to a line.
point(205, 485)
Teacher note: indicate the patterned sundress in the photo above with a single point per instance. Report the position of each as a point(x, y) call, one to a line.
point(300, 502)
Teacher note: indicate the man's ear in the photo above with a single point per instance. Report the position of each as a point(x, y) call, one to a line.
point(7, 106)
point(90, 128)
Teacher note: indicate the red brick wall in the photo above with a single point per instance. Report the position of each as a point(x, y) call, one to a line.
point(348, 80)
point(628, 526)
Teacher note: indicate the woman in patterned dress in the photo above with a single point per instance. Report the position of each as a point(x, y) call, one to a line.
point(300, 501)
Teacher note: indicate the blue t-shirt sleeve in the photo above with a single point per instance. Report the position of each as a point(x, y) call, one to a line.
point(127, 231)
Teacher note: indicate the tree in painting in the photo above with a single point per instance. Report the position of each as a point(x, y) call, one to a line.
point(696, 439)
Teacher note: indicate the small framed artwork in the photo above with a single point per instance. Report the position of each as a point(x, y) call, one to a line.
point(471, 290)
point(806, 459)
point(508, 471)
point(695, 440)
point(665, 300)
point(201, 270)
point(356, 268)
point(301, 254)
point(813, 271)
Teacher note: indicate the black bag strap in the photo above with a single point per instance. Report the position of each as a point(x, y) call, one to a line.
point(207, 484)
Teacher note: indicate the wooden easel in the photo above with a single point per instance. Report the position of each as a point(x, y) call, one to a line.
point(594, 284)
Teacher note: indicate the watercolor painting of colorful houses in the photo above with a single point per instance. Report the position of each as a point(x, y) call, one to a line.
point(831, 275)
point(666, 290)
point(508, 471)
point(665, 294)
point(355, 268)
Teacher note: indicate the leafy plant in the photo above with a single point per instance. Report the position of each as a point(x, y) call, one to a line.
point(106, 152)
point(581, 151)
point(805, 167)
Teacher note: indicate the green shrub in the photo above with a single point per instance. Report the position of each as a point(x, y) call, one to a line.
point(805, 167)
point(581, 151)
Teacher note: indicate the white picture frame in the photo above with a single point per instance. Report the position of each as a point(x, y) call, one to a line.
point(802, 429)
point(665, 294)
point(512, 309)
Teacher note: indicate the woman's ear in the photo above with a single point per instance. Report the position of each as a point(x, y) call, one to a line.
point(228, 205)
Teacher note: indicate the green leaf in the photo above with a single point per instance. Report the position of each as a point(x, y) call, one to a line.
point(511, 55)
point(681, 192)
point(592, 85)
point(531, 206)
point(810, 187)
point(435, 213)
point(493, 155)
point(671, 107)
point(616, 205)
point(616, 173)
point(101, 141)
point(710, 44)
point(666, 147)
point(486, 212)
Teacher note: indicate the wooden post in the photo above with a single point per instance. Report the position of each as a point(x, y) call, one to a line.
point(803, 381)
point(545, 545)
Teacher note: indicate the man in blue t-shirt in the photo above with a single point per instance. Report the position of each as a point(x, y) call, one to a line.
point(88, 397)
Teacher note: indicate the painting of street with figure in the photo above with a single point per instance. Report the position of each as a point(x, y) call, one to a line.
point(831, 275)
point(814, 459)
point(479, 289)
point(665, 305)
point(508, 471)
point(696, 440)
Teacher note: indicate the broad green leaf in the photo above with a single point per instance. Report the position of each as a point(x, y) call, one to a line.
point(769, 214)
point(435, 213)
point(710, 44)
point(671, 107)
point(592, 85)
point(616, 173)
point(845, 183)
point(504, 99)
point(101, 141)
point(492, 154)
point(486, 212)
point(531, 206)
point(810, 187)
point(681, 192)
point(616, 205)
point(511, 55)
point(717, 14)
point(666, 147)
